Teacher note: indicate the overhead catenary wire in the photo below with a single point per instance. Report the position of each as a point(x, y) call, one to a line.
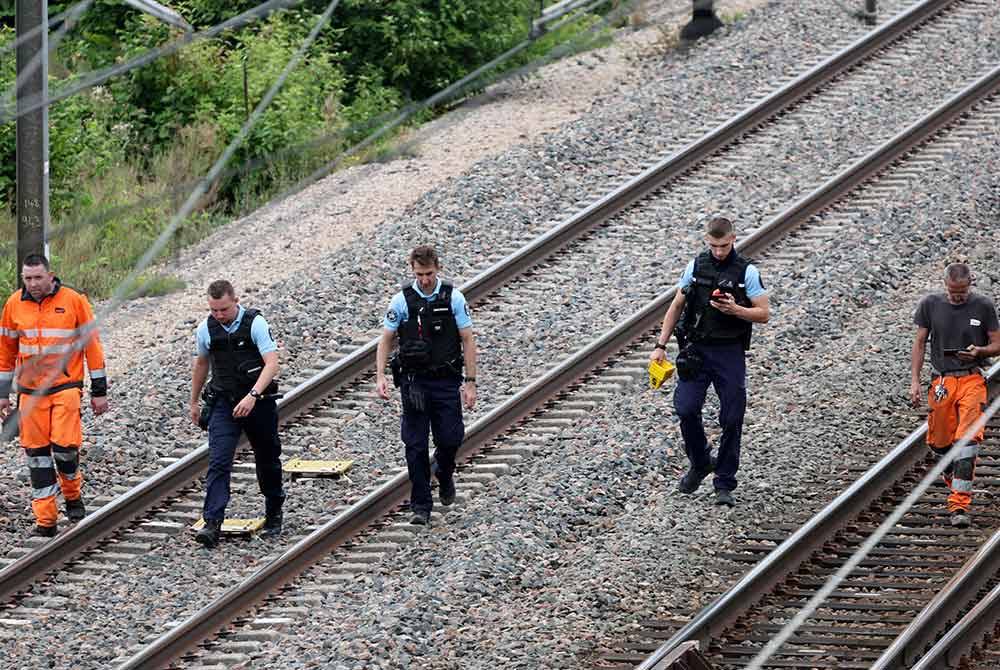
point(154, 250)
point(30, 104)
point(451, 92)
point(884, 528)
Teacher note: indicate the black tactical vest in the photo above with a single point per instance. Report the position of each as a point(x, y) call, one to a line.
point(429, 342)
point(704, 323)
point(236, 362)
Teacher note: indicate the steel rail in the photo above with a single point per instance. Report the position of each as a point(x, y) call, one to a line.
point(967, 633)
point(501, 419)
point(932, 620)
point(810, 537)
point(106, 520)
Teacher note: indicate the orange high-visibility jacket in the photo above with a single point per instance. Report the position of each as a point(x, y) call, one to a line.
point(45, 342)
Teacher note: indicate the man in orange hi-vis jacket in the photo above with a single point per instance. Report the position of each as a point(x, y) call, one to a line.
point(45, 332)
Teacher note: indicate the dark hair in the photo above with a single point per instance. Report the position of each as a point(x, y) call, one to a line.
point(719, 227)
point(220, 288)
point(31, 260)
point(424, 255)
point(958, 272)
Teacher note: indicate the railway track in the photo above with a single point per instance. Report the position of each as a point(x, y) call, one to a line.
point(889, 609)
point(543, 402)
point(342, 387)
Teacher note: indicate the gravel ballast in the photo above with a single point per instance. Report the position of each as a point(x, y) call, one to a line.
point(603, 472)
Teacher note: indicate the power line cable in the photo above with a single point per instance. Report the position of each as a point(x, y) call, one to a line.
point(7, 113)
point(884, 528)
point(450, 93)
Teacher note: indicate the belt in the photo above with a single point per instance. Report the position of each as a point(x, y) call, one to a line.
point(52, 389)
point(959, 373)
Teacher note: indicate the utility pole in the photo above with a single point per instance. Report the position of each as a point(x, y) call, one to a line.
point(703, 20)
point(32, 148)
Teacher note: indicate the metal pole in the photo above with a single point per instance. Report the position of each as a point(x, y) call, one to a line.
point(32, 147)
point(871, 11)
point(703, 20)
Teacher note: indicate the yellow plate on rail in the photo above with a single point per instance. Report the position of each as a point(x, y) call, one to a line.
point(298, 467)
point(234, 526)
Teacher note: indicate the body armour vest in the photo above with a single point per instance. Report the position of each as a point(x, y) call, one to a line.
point(236, 362)
point(704, 323)
point(429, 342)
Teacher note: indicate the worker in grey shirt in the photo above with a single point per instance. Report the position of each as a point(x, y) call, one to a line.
point(964, 331)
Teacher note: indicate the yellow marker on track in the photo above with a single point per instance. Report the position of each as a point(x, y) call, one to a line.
point(659, 371)
point(234, 526)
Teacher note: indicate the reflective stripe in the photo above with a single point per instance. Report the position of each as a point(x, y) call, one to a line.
point(961, 485)
point(70, 455)
point(98, 374)
point(6, 376)
point(40, 461)
point(46, 492)
point(7, 332)
point(968, 451)
point(59, 332)
point(51, 349)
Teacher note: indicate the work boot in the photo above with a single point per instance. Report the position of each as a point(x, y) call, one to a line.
point(75, 510)
point(209, 535)
point(724, 497)
point(272, 518)
point(420, 517)
point(960, 519)
point(45, 531)
point(691, 480)
point(447, 491)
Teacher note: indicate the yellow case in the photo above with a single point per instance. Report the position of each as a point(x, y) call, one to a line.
point(659, 371)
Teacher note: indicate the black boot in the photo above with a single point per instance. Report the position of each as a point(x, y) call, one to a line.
point(45, 531)
point(75, 510)
point(272, 517)
point(209, 535)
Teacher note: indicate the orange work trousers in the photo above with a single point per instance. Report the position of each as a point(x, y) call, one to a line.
point(51, 434)
point(951, 416)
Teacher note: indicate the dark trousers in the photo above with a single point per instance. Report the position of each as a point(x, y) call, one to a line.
point(261, 428)
point(725, 369)
point(442, 417)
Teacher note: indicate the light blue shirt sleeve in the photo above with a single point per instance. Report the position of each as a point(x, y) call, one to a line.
point(752, 283)
point(397, 313)
point(201, 339)
point(460, 308)
point(687, 277)
point(260, 333)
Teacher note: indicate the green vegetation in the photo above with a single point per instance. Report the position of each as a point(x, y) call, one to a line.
point(124, 155)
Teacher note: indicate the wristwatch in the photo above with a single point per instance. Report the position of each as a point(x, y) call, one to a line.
point(254, 393)
point(469, 379)
point(660, 346)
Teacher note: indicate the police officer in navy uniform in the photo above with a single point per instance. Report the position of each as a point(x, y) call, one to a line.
point(719, 297)
point(434, 326)
point(236, 344)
